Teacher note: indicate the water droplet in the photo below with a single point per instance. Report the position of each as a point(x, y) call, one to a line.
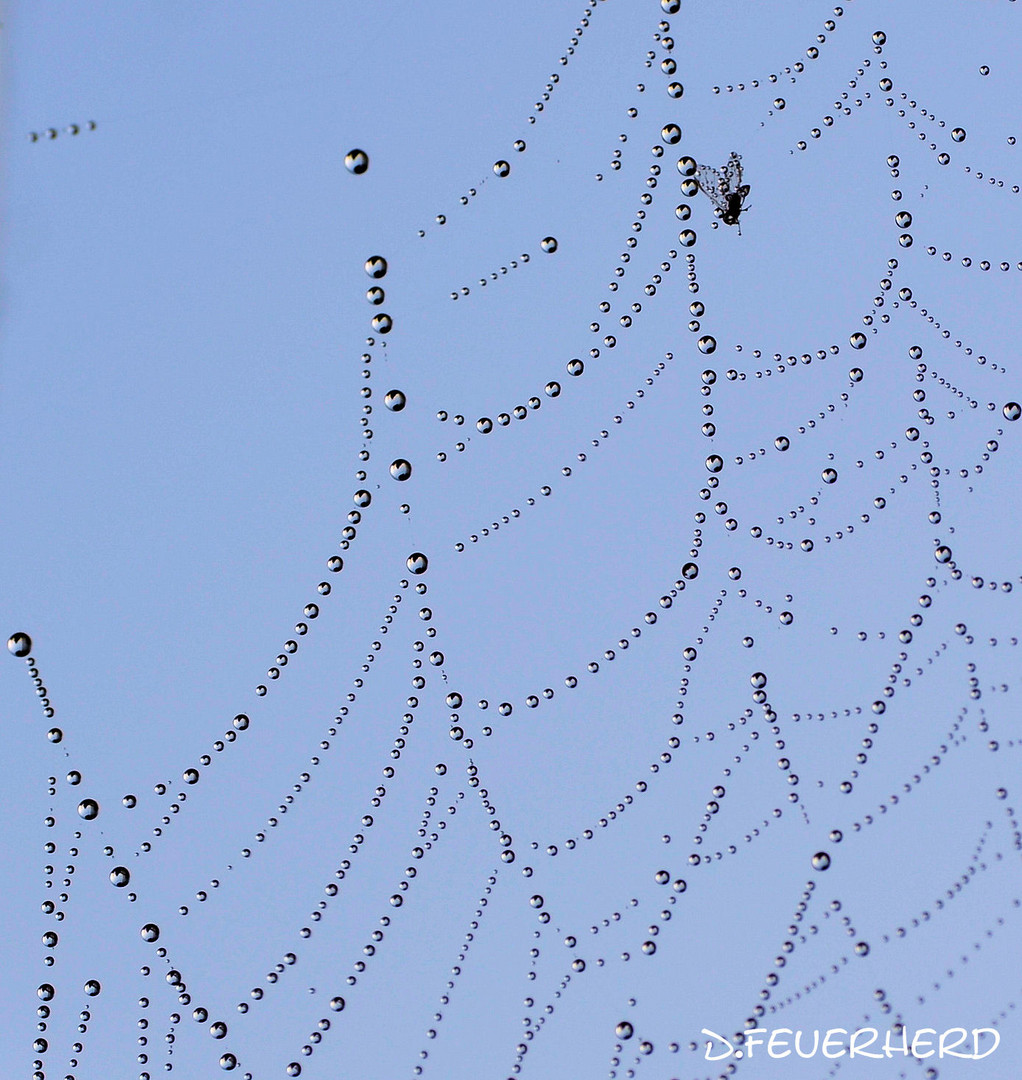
point(671, 133)
point(879, 37)
point(337, 1004)
point(1012, 410)
point(958, 134)
point(88, 809)
point(150, 932)
point(857, 340)
point(549, 244)
point(394, 400)
point(400, 469)
point(502, 168)
point(624, 1030)
point(821, 860)
point(417, 563)
point(861, 948)
point(46, 992)
point(829, 476)
point(120, 876)
point(19, 644)
point(690, 571)
point(376, 266)
point(228, 1062)
point(382, 323)
point(782, 442)
point(707, 344)
point(356, 161)
point(92, 987)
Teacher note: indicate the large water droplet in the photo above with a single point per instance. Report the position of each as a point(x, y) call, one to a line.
point(549, 244)
point(400, 469)
point(88, 809)
point(376, 266)
point(394, 400)
point(821, 860)
point(19, 644)
point(417, 563)
point(356, 161)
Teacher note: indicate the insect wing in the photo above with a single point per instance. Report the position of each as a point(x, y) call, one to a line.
point(733, 172)
point(713, 184)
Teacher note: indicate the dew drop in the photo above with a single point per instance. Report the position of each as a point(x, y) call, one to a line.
point(376, 266)
point(707, 344)
point(88, 809)
point(821, 861)
point(400, 469)
point(549, 244)
point(417, 562)
point(19, 644)
point(356, 161)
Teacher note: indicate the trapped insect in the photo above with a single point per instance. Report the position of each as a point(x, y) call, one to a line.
point(725, 189)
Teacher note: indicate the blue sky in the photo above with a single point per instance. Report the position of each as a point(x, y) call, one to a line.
point(622, 657)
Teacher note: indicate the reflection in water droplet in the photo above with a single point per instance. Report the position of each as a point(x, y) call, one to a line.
point(376, 266)
point(356, 161)
point(394, 400)
point(502, 168)
point(400, 469)
point(549, 244)
point(119, 876)
point(150, 932)
point(92, 987)
point(1012, 410)
point(821, 860)
point(417, 563)
point(707, 344)
point(88, 809)
point(624, 1030)
point(19, 644)
point(382, 323)
point(857, 340)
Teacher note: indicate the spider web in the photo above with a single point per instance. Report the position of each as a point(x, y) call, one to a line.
point(589, 628)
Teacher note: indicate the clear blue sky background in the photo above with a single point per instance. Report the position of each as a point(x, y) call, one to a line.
point(190, 375)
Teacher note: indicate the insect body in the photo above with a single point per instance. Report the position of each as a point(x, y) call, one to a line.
point(725, 189)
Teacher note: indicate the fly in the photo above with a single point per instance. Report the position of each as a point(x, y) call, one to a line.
point(725, 189)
